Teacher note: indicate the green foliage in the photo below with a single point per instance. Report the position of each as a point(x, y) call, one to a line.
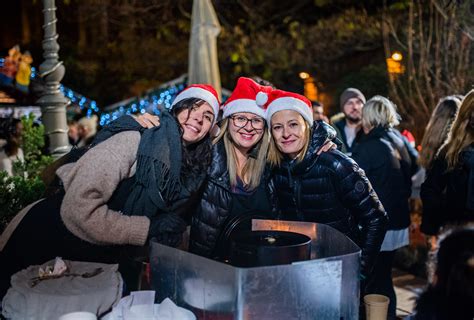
point(25, 186)
point(16, 193)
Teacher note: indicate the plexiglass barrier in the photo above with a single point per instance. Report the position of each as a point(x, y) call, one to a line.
point(325, 287)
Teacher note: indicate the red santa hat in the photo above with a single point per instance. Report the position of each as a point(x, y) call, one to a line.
point(283, 100)
point(248, 96)
point(200, 91)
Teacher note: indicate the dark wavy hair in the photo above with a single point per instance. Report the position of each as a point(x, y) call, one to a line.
point(197, 156)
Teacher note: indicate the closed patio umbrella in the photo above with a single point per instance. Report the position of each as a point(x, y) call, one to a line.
point(203, 63)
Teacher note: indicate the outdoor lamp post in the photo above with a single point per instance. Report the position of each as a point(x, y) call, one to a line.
point(52, 101)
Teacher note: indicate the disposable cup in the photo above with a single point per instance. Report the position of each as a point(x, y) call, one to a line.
point(376, 306)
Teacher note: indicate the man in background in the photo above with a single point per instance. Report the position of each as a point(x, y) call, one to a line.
point(318, 112)
point(348, 125)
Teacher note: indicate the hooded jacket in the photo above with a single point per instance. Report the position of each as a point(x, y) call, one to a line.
point(331, 189)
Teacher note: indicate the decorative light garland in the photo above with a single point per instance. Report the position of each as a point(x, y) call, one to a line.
point(153, 101)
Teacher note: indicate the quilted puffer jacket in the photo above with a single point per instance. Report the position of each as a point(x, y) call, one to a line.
point(331, 189)
point(218, 208)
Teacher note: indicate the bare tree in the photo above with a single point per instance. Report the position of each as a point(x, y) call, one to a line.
point(438, 56)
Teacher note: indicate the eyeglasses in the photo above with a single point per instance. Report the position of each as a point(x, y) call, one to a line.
point(241, 121)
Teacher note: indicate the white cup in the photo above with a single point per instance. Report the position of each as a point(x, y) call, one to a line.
point(80, 315)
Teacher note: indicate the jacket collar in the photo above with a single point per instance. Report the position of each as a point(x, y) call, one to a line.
point(218, 171)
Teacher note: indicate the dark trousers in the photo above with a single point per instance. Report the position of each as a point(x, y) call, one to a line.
point(380, 280)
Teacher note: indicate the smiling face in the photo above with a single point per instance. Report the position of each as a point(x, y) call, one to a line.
point(246, 129)
point(196, 122)
point(289, 132)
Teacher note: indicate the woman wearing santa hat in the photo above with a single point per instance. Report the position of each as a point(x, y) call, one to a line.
point(327, 188)
point(128, 187)
point(236, 187)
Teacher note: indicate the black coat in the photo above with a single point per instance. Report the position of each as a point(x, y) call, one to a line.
point(219, 206)
point(448, 196)
point(339, 126)
point(331, 189)
point(385, 159)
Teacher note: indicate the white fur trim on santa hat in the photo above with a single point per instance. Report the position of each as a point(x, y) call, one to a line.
point(289, 103)
point(243, 105)
point(199, 93)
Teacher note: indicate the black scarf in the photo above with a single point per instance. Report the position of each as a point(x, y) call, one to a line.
point(157, 187)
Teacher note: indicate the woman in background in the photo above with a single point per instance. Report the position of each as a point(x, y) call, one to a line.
point(448, 191)
point(384, 157)
point(437, 129)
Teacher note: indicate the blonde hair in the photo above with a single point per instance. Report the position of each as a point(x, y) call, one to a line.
point(437, 129)
point(254, 167)
point(275, 155)
point(461, 134)
point(378, 111)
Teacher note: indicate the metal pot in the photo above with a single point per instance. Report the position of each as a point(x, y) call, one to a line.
point(267, 248)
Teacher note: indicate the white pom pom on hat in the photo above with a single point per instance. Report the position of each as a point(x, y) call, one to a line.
point(261, 98)
point(248, 96)
point(283, 100)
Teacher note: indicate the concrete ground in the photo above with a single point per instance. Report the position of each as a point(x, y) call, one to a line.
point(410, 261)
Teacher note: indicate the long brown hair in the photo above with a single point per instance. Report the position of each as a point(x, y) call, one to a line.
point(437, 129)
point(462, 132)
point(254, 167)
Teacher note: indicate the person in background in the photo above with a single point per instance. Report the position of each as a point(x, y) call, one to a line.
point(383, 156)
point(73, 132)
point(327, 188)
point(10, 151)
point(318, 112)
point(450, 292)
point(348, 127)
point(436, 133)
point(87, 130)
point(129, 187)
point(437, 129)
point(448, 191)
point(409, 137)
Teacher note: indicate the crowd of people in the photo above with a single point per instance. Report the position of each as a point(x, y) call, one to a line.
point(265, 153)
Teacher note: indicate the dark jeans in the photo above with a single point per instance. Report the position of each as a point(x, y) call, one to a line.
point(380, 280)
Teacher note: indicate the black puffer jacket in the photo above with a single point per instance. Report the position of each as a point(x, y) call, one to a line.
point(219, 207)
point(332, 189)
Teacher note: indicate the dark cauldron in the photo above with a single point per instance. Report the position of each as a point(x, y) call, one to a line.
point(267, 248)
